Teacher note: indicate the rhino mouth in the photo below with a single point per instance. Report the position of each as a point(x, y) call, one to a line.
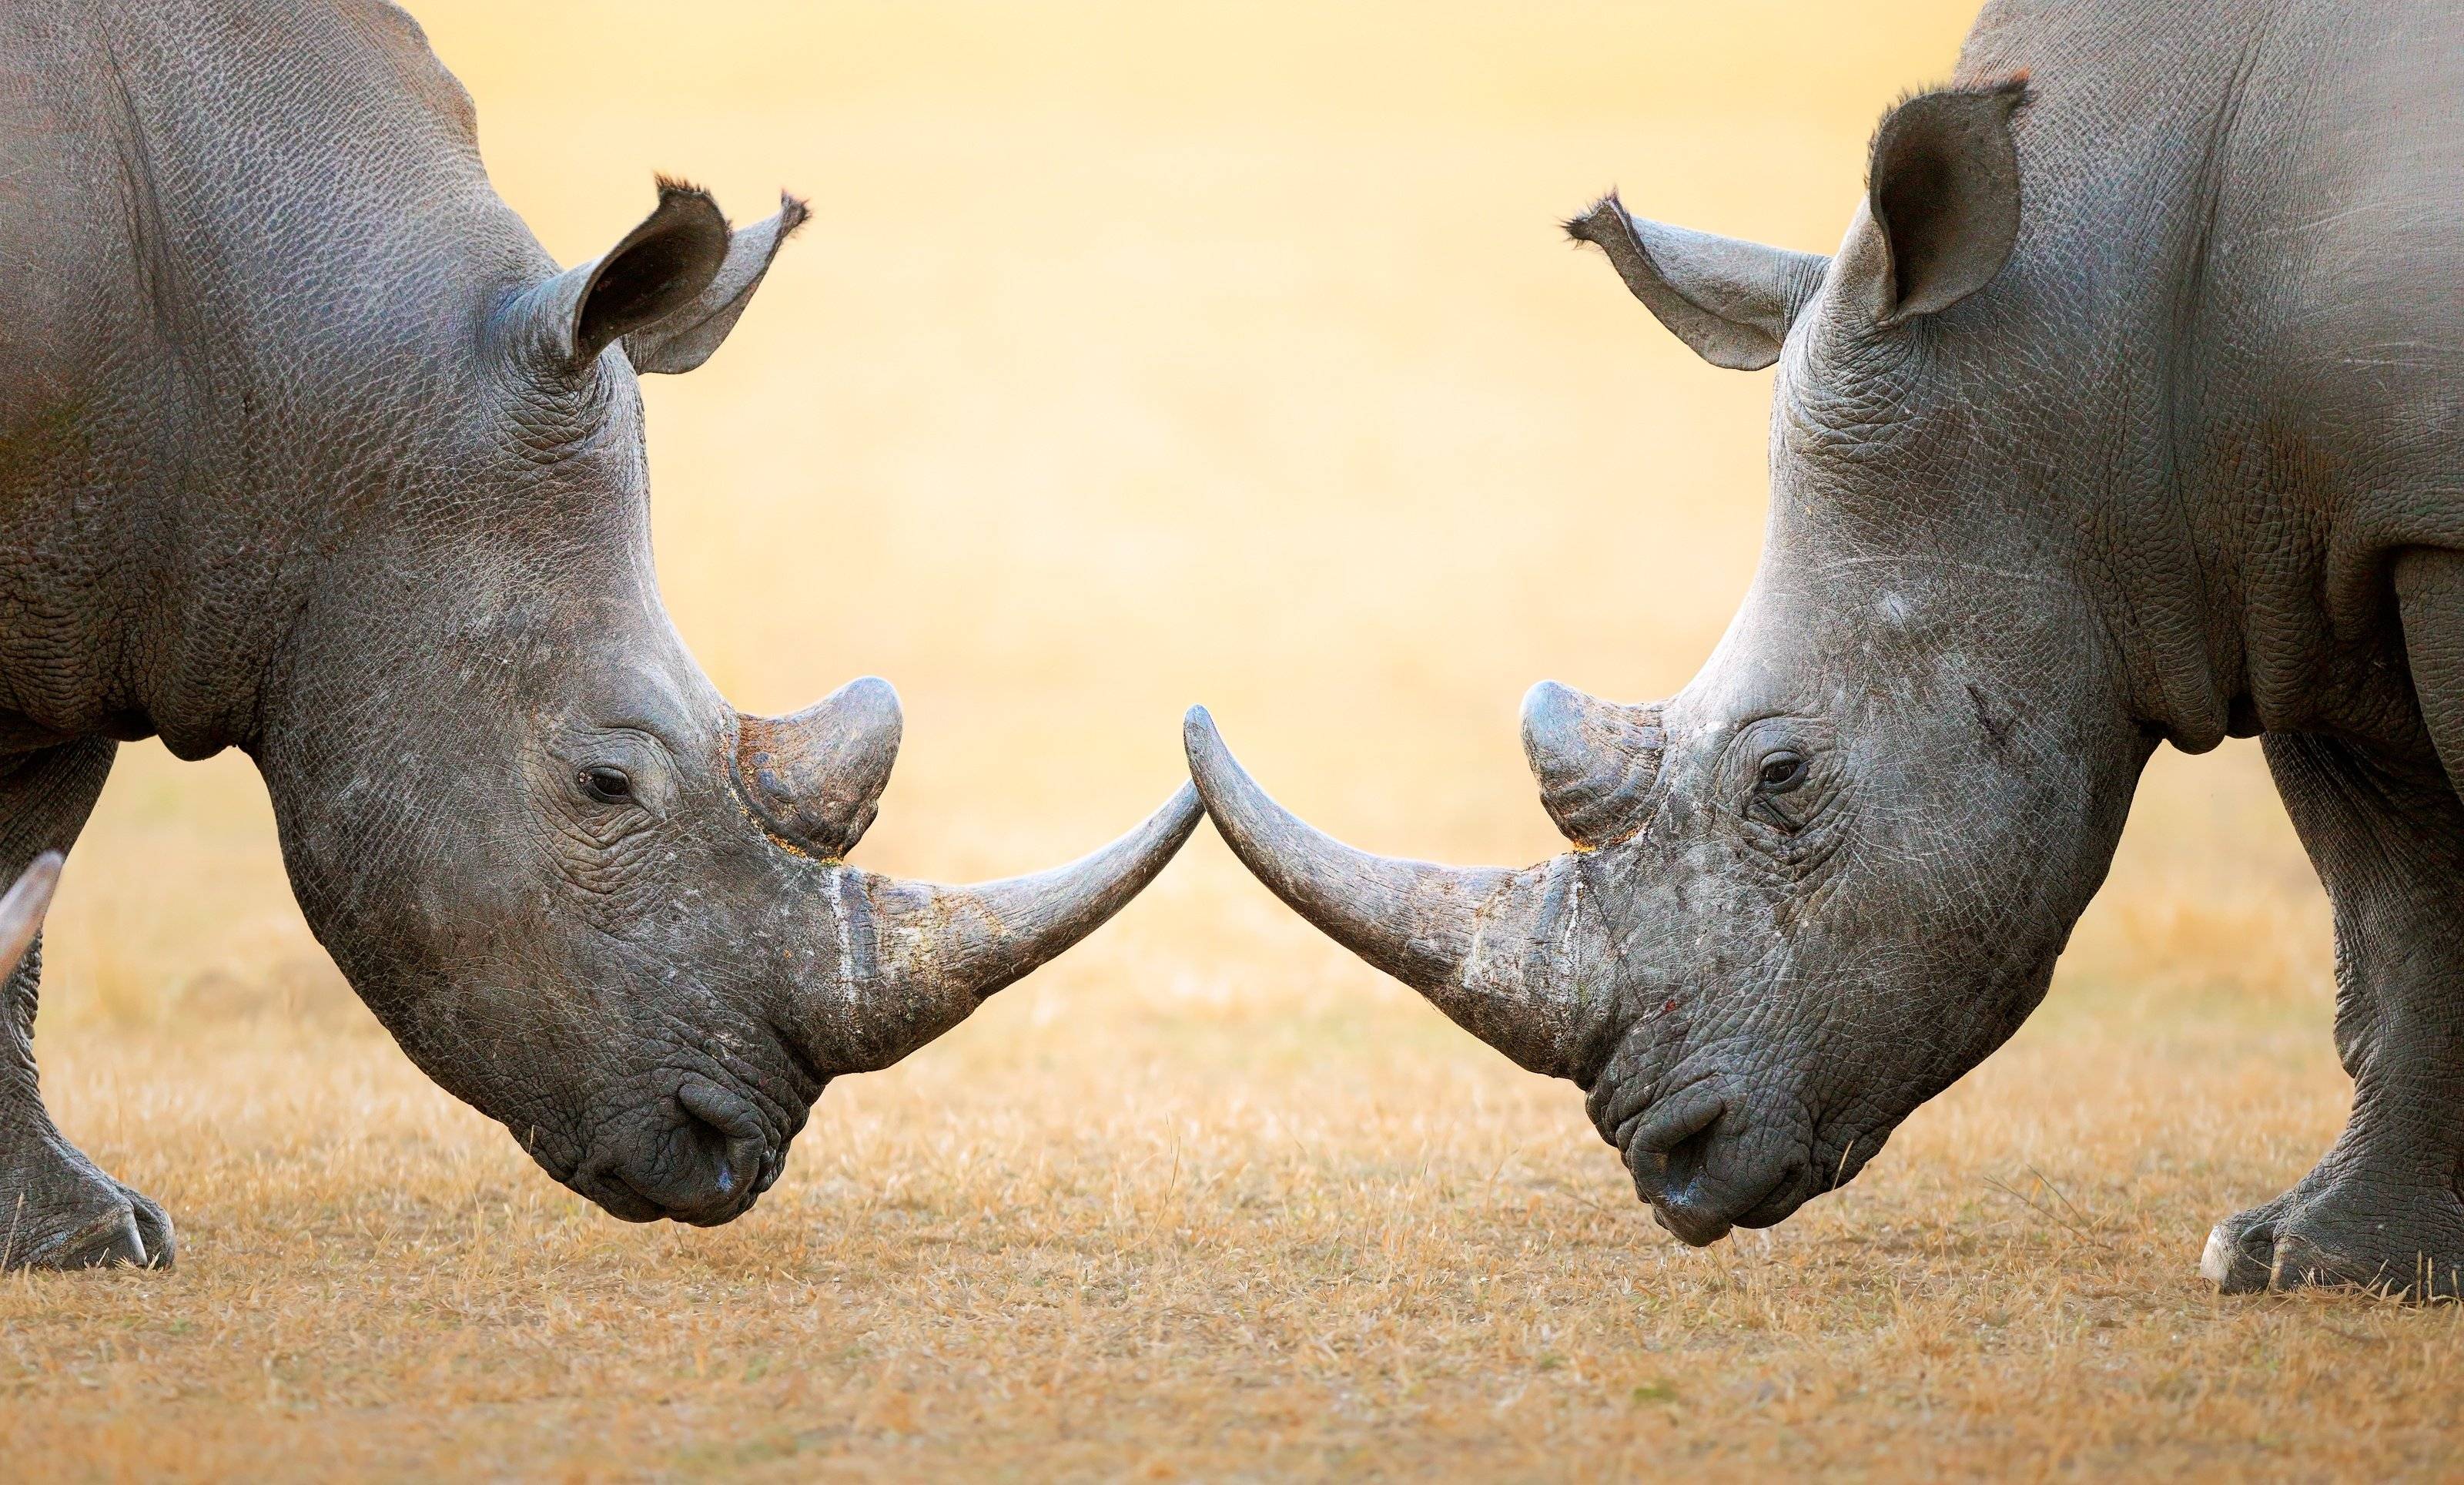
point(1706, 1161)
point(702, 1154)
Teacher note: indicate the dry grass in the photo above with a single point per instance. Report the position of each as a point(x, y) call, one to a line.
point(1141, 355)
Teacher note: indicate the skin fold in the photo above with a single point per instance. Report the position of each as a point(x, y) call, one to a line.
point(308, 449)
point(2128, 411)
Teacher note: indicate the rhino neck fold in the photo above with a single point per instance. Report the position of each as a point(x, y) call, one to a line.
point(2113, 283)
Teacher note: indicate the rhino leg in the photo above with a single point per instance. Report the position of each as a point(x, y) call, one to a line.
point(58, 1210)
point(2380, 1209)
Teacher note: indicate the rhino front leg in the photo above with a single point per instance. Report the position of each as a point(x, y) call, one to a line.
point(58, 1210)
point(2380, 1209)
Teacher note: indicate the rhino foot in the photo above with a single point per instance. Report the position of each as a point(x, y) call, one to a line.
point(72, 1217)
point(2404, 1243)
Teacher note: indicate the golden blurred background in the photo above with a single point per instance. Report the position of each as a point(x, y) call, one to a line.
point(1140, 354)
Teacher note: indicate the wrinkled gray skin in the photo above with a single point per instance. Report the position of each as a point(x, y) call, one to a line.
point(306, 448)
point(2130, 409)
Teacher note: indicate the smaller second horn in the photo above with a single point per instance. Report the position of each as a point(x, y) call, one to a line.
point(1595, 760)
point(816, 778)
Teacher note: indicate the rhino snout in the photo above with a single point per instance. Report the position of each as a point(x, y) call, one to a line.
point(1707, 1159)
point(700, 1156)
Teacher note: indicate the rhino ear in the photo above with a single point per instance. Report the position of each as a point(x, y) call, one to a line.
point(660, 269)
point(1942, 203)
point(685, 338)
point(1731, 301)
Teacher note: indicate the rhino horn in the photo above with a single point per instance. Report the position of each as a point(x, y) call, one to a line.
point(1492, 948)
point(915, 959)
point(1595, 760)
point(815, 779)
point(21, 910)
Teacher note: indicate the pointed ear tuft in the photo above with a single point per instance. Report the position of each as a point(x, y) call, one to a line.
point(686, 339)
point(1942, 191)
point(1731, 301)
point(1591, 221)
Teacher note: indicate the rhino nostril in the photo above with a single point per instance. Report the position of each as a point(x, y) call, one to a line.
point(728, 1116)
point(1669, 1149)
point(728, 1133)
point(1674, 1126)
point(1686, 1158)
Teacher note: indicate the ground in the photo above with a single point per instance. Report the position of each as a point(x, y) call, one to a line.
point(1140, 356)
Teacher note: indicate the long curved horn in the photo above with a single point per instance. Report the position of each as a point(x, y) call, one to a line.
point(21, 910)
point(1496, 950)
point(915, 958)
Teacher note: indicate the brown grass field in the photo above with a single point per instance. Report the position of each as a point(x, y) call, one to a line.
point(1142, 354)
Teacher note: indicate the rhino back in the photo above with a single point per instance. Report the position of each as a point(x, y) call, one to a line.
point(250, 245)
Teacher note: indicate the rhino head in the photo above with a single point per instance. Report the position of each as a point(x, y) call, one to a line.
point(583, 892)
point(1832, 874)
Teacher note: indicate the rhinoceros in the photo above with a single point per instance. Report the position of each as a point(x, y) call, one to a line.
point(2129, 410)
point(307, 448)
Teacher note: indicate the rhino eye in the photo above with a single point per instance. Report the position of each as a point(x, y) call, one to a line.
point(1782, 772)
point(605, 784)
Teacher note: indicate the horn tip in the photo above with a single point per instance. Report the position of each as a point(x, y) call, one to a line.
point(1545, 695)
point(872, 692)
point(1551, 715)
point(1218, 776)
point(1200, 737)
